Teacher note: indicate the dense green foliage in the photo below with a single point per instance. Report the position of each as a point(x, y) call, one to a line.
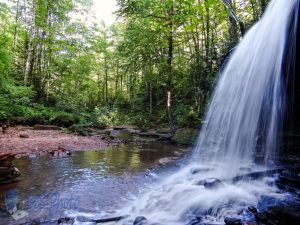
point(155, 66)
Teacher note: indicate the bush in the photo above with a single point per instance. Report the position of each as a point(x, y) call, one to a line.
point(186, 116)
point(36, 114)
point(63, 119)
point(81, 129)
point(106, 116)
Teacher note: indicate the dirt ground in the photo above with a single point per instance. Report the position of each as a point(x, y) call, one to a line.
point(41, 141)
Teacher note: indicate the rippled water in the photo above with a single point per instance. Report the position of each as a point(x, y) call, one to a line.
point(85, 181)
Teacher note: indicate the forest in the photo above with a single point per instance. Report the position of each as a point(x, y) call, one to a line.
point(155, 66)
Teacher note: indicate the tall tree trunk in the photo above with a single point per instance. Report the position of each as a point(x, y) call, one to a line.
point(117, 80)
point(150, 91)
point(106, 78)
point(99, 89)
point(16, 26)
point(30, 44)
point(169, 86)
point(207, 33)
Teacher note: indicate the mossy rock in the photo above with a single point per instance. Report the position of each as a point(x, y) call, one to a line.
point(80, 129)
point(185, 136)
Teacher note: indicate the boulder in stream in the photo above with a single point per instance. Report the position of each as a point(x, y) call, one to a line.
point(211, 183)
point(140, 220)
point(232, 221)
point(66, 221)
point(167, 160)
point(60, 152)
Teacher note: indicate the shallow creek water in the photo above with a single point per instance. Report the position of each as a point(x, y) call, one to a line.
point(86, 181)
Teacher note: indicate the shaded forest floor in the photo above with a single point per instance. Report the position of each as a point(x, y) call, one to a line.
point(23, 140)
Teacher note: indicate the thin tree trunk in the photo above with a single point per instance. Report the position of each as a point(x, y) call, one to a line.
point(106, 79)
point(16, 26)
point(169, 85)
point(150, 91)
point(207, 40)
point(99, 89)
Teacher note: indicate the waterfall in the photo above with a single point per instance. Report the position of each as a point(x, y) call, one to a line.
point(245, 115)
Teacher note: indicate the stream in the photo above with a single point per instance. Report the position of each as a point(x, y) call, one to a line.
point(86, 181)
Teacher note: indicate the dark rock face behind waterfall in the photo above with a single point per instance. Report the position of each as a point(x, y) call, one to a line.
point(291, 134)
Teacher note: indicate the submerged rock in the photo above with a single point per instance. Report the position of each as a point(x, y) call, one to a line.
point(232, 221)
point(252, 209)
point(66, 221)
point(200, 170)
point(60, 152)
point(212, 183)
point(167, 160)
point(140, 220)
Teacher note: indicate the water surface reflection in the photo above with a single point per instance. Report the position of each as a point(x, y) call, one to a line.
point(99, 179)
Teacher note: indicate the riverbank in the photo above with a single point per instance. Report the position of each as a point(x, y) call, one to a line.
point(26, 140)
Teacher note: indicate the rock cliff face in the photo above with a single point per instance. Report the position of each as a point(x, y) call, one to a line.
point(296, 111)
point(292, 78)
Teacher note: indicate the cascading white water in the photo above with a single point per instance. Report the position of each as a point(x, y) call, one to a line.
point(244, 118)
point(246, 111)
